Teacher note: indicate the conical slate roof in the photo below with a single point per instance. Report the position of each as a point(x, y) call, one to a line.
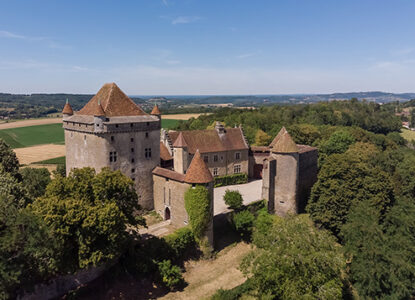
point(113, 102)
point(67, 109)
point(283, 143)
point(156, 110)
point(180, 142)
point(198, 172)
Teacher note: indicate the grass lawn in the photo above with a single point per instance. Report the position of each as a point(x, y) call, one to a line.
point(33, 135)
point(46, 134)
point(408, 135)
point(53, 161)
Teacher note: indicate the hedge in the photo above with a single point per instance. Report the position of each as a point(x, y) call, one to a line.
point(231, 179)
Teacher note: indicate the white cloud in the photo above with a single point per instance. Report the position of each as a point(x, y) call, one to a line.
point(185, 20)
point(173, 62)
point(11, 35)
point(165, 2)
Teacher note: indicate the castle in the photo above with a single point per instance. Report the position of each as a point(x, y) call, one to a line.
point(112, 131)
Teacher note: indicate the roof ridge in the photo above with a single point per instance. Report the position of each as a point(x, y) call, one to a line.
point(284, 143)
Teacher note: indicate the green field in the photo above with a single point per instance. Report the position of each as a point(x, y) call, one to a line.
point(33, 135)
point(46, 134)
point(408, 135)
point(53, 161)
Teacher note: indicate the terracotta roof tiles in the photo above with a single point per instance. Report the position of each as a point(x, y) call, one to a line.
point(156, 110)
point(166, 173)
point(164, 152)
point(210, 141)
point(180, 141)
point(67, 109)
point(113, 101)
point(198, 172)
point(283, 143)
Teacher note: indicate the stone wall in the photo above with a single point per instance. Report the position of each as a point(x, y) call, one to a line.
point(169, 194)
point(93, 150)
point(286, 183)
point(307, 178)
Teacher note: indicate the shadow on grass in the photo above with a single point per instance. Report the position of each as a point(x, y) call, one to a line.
point(224, 232)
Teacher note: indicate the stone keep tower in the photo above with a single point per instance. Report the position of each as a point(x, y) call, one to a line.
point(281, 175)
point(112, 131)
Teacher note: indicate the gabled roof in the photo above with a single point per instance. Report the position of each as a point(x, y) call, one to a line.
point(198, 172)
point(113, 101)
point(166, 173)
point(210, 141)
point(164, 152)
point(283, 143)
point(180, 142)
point(67, 109)
point(156, 110)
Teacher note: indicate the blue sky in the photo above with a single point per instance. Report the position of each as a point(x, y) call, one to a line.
point(166, 47)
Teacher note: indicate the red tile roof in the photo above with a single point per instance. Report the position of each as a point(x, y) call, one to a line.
point(166, 173)
point(113, 101)
point(210, 141)
point(67, 109)
point(180, 142)
point(164, 152)
point(198, 172)
point(156, 110)
point(283, 143)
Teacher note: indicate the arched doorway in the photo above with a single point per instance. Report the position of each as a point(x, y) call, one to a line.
point(167, 214)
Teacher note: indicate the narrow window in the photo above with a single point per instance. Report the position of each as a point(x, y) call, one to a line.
point(131, 125)
point(111, 157)
point(206, 158)
point(115, 156)
point(132, 160)
point(84, 137)
point(148, 123)
point(116, 125)
point(132, 140)
point(112, 138)
point(132, 178)
point(164, 195)
point(215, 158)
point(169, 196)
point(132, 149)
point(132, 170)
point(215, 171)
point(238, 155)
point(146, 134)
point(237, 169)
point(147, 152)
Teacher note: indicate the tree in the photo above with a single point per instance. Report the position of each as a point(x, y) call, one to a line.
point(13, 189)
point(89, 215)
point(293, 260)
point(198, 207)
point(8, 158)
point(305, 134)
point(27, 248)
point(35, 180)
point(243, 222)
point(171, 275)
point(344, 181)
point(261, 138)
point(233, 199)
point(381, 253)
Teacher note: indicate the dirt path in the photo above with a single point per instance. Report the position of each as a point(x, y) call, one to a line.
point(33, 122)
point(205, 277)
point(33, 154)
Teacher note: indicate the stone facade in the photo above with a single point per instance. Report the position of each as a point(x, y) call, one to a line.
point(130, 144)
point(289, 172)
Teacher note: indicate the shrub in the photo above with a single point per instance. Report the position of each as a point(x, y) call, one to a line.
point(231, 179)
point(243, 222)
point(233, 294)
point(233, 199)
point(170, 275)
point(197, 204)
point(181, 242)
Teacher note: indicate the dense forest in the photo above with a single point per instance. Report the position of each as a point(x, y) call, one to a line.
point(356, 240)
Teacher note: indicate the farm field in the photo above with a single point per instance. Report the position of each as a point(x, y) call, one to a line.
point(44, 121)
point(35, 154)
point(33, 135)
point(407, 134)
point(21, 137)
